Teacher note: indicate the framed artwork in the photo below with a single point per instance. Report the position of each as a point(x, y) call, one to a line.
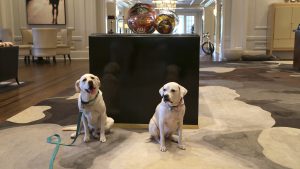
point(46, 12)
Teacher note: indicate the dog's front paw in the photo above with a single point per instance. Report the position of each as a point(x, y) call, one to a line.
point(103, 139)
point(86, 139)
point(181, 146)
point(73, 135)
point(163, 148)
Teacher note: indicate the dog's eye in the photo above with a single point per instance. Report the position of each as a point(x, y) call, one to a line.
point(84, 79)
point(164, 90)
point(173, 90)
point(92, 77)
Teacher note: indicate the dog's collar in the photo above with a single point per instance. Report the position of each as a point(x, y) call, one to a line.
point(90, 101)
point(176, 107)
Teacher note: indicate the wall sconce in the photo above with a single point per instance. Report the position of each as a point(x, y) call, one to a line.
point(111, 18)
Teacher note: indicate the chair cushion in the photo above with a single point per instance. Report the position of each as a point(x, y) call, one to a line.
point(26, 36)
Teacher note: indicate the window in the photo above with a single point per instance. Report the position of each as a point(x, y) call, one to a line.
point(189, 26)
point(186, 24)
point(181, 24)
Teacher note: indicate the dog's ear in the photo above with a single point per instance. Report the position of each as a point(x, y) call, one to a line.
point(77, 87)
point(99, 82)
point(161, 91)
point(183, 91)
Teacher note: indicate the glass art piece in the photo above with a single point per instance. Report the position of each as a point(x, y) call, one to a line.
point(166, 22)
point(141, 18)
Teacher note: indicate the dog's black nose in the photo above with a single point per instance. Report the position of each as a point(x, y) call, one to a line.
point(90, 83)
point(166, 97)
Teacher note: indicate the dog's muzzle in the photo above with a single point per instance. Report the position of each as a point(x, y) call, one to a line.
point(91, 88)
point(166, 98)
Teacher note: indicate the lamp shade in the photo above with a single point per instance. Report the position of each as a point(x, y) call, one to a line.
point(111, 17)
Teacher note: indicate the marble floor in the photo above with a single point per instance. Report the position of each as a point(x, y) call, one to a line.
point(249, 117)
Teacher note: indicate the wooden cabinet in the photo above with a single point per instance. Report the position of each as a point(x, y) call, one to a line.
point(282, 20)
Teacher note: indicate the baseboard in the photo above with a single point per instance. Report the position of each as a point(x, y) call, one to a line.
point(254, 52)
point(81, 54)
point(232, 54)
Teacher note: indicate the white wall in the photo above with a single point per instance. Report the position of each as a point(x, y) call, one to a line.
point(85, 17)
point(245, 27)
point(257, 25)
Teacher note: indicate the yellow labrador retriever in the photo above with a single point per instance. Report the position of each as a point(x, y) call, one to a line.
point(92, 106)
point(169, 113)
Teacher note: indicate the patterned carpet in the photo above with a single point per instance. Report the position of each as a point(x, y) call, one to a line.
point(249, 117)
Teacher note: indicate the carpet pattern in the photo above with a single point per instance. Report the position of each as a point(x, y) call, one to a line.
point(249, 117)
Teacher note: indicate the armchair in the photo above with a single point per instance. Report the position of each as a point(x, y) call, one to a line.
point(27, 41)
point(66, 41)
point(44, 43)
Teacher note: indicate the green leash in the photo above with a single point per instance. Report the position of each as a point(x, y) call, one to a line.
point(58, 141)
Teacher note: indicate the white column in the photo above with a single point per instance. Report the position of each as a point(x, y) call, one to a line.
point(101, 12)
point(234, 32)
point(6, 13)
point(1, 15)
point(239, 22)
point(90, 19)
point(79, 14)
point(7, 21)
point(70, 11)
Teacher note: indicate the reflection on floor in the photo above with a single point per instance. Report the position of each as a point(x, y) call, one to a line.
point(249, 118)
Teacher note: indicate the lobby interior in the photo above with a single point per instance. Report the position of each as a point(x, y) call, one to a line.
point(247, 91)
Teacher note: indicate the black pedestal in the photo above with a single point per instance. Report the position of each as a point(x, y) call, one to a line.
point(132, 68)
point(9, 63)
point(296, 60)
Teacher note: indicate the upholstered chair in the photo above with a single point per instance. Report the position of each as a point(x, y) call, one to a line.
point(26, 45)
point(6, 35)
point(44, 43)
point(27, 38)
point(65, 44)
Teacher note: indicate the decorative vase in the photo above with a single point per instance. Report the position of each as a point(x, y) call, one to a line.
point(166, 22)
point(141, 18)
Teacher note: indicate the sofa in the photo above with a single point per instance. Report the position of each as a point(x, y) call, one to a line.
point(9, 63)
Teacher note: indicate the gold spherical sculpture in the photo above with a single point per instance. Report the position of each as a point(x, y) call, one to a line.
point(166, 22)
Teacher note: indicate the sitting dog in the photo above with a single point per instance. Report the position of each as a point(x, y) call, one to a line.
point(90, 102)
point(168, 117)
